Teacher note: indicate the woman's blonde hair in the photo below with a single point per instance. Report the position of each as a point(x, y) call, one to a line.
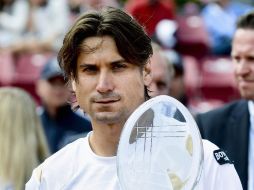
point(22, 141)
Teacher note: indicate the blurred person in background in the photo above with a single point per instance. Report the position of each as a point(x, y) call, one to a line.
point(22, 141)
point(167, 74)
point(45, 27)
point(177, 87)
point(60, 123)
point(98, 4)
point(42, 31)
point(162, 72)
point(13, 19)
point(232, 126)
point(77, 7)
point(220, 17)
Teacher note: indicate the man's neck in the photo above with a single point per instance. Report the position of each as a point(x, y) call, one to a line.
point(104, 139)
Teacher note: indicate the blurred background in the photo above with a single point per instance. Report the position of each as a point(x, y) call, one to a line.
point(196, 34)
point(195, 37)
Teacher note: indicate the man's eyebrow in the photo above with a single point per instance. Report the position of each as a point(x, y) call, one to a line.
point(118, 61)
point(112, 62)
point(86, 65)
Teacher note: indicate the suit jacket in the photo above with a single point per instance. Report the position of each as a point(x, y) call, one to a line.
point(228, 127)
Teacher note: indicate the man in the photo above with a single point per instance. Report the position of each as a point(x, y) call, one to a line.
point(162, 72)
point(232, 126)
point(167, 74)
point(105, 55)
point(60, 123)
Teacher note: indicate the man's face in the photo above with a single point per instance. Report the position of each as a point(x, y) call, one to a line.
point(160, 76)
point(107, 87)
point(243, 59)
point(53, 92)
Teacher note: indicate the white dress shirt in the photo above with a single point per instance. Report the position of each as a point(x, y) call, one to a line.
point(251, 148)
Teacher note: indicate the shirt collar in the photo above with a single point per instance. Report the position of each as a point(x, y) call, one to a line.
point(251, 111)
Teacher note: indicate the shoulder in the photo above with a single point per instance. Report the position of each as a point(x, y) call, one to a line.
point(61, 165)
point(218, 171)
point(65, 154)
point(210, 151)
point(223, 111)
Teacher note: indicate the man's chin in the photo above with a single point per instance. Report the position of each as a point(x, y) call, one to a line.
point(109, 117)
point(247, 96)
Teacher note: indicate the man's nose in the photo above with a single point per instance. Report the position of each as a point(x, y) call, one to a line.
point(105, 82)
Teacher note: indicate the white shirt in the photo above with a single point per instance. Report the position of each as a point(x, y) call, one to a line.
point(13, 22)
point(77, 167)
point(251, 147)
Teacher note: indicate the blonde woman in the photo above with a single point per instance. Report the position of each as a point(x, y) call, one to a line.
point(22, 142)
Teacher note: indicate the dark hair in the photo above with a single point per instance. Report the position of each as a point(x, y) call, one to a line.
point(246, 21)
point(133, 44)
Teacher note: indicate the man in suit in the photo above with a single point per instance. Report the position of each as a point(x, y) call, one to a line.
point(232, 126)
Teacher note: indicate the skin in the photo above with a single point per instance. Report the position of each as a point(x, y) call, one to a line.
point(160, 83)
point(109, 89)
point(243, 59)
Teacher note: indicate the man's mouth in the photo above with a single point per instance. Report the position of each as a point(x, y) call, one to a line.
point(106, 101)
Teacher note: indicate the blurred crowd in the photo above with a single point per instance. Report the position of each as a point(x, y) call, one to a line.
point(195, 34)
point(192, 45)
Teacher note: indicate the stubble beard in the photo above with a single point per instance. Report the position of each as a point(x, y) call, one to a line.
point(111, 118)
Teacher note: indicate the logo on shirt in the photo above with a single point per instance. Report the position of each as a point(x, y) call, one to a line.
point(221, 157)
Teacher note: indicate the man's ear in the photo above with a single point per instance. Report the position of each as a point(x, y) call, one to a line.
point(147, 75)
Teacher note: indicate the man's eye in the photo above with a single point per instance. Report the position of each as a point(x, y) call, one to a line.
point(117, 67)
point(89, 69)
point(250, 59)
point(236, 59)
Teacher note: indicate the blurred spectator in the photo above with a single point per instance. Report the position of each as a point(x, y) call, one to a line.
point(43, 34)
point(220, 17)
point(60, 123)
point(13, 18)
point(167, 74)
point(46, 25)
point(22, 141)
point(97, 4)
point(162, 72)
point(232, 126)
point(76, 7)
point(150, 12)
point(177, 87)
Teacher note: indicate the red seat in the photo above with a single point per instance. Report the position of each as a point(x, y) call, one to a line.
point(7, 68)
point(192, 37)
point(27, 72)
point(218, 80)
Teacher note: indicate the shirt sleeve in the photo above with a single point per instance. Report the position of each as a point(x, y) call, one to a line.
point(34, 182)
point(217, 174)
